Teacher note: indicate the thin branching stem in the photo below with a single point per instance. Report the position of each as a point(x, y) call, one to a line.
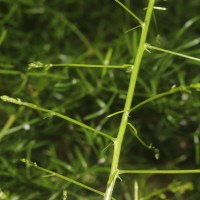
point(172, 52)
point(156, 171)
point(130, 12)
point(52, 173)
point(91, 66)
point(52, 113)
point(195, 86)
point(124, 120)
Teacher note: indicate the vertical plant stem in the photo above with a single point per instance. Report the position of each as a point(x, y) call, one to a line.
point(136, 196)
point(118, 142)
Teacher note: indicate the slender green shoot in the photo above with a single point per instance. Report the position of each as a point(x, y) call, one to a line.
point(51, 173)
point(34, 74)
point(53, 113)
point(128, 102)
point(39, 64)
point(169, 92)
point(133, 28)
point(151, 147)
point(130, 12)
point(173, 90)
point(156, 171)
point(149, 46)
point(136, 190)
point(115, 113)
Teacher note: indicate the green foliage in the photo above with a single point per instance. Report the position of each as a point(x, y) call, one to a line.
point(95, 44)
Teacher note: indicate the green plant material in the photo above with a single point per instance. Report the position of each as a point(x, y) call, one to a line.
point(197, 145)
point(174, 187)
point(3, 36)
point(38, 64)
point(131, 29)
point(129, 98)
point(34, 74)
point(107, 61)
point(9, 123)
point(74, 28)
point(173, 90)
point(156, 171)
point(187, 26)
point(159, 8)
point(177, 187)
point(51, 173)
point(113, 177)
point(136, 190)
point(104, 108)
point(64, 194)
point(169, 92)
point(149, 46)
point(81, 158)
point(195, 86)
point(53, 113)
point(151, 147)
point(3, 195)
point(9, 14)
point(130, 12)
point(7, 130)
point(90, 91)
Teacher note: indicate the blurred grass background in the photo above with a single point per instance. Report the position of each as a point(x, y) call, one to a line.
point(75, 31)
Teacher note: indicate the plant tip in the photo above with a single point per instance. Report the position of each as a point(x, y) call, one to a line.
point(11, 100)
point(39, 64)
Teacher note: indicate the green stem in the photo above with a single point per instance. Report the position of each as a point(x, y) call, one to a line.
point(172, 52)
point(36, 74)
point(52, 173)
point(118, 143)
point(92, 66)
point(157, 96)
point(39, 64)
point(195, 86)
point(178, 171)
point(53, 113)
point(130, 12)
point(9, 123)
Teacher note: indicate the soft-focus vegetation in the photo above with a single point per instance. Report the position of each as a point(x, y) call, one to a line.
point(95, 32)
